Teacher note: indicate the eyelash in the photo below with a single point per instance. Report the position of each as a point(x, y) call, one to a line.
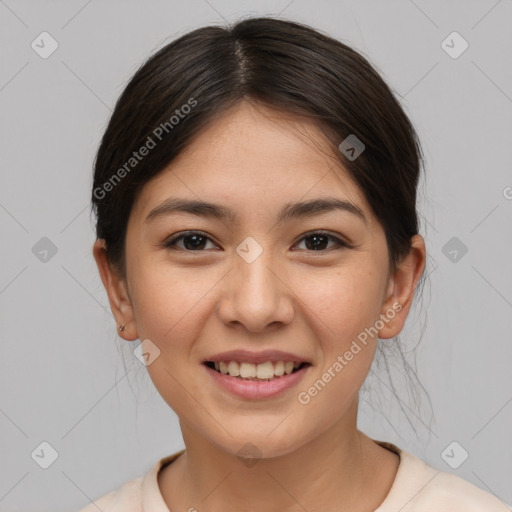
point(171, 243)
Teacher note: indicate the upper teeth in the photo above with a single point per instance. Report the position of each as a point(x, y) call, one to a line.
point(265, 370)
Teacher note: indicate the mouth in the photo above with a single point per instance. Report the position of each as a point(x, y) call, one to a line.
point(262, 372)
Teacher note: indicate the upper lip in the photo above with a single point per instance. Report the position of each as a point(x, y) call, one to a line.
point(247, 356)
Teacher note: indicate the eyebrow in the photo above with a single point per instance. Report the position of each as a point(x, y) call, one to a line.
point(313, 207)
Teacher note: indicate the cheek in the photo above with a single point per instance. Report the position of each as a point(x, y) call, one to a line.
point(169, 302)
point(171, 305)
point(341, 308)
point(345, 301)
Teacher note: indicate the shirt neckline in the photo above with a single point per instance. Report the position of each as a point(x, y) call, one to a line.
point(153, 501)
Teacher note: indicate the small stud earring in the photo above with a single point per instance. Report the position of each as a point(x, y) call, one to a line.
point(121, 327)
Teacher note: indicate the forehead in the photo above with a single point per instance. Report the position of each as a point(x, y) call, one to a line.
point(254, 158)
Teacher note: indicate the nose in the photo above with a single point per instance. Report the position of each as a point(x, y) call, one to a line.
point(256, 295)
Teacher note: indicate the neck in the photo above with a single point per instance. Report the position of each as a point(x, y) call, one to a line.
point(341, 466)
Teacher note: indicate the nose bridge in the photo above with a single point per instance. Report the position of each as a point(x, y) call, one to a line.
point(257, 296)
point(256, 288)
point(255, 278)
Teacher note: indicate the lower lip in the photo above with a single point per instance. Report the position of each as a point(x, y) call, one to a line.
point(257, 390)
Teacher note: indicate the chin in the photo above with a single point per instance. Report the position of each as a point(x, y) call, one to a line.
point(256, 446)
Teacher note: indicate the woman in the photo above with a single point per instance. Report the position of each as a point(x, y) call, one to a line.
point(255, 193)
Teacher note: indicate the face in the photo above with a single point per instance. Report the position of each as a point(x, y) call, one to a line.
point(307, 283)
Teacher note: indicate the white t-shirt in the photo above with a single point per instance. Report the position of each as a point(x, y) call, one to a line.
point(417, 488)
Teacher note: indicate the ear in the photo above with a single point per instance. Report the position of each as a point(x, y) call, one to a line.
point(117, 291)
point(401, 287)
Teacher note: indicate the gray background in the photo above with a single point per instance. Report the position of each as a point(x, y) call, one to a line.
point(65, 377)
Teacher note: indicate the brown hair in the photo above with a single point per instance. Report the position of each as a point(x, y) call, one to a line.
point(284, 65)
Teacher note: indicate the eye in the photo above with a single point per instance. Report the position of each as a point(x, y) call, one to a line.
point(318, 239)
point(193, 241)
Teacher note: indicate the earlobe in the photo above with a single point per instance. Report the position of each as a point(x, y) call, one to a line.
point(115, 286)
point(401, 289)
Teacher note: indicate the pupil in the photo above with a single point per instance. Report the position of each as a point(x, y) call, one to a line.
point(316, 244)
point(196, 245)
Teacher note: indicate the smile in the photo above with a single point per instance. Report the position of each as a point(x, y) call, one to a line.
point(266, 371)
point(252, 387)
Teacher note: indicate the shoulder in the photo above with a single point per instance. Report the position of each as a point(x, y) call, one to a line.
point(141, 493)
point(419, 487)
point(127, 498)
point(450, 493)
